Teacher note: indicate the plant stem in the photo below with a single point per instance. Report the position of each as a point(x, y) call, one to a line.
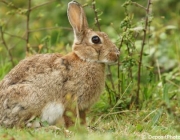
point(142, 50)
point(118, 69)
point(118, 64)
point(50, 28)
point(110, 77)
point(137, 4)
point(27, 26)
point(96, 15)
point(130, 67)
point(108, 90)
point(16, 36)
point(6, 46)
point(43, 4)
point(8, 4)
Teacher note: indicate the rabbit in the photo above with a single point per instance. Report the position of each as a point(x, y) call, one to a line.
point(49, 86)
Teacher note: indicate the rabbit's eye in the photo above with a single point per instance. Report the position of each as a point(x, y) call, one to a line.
point(96, 40)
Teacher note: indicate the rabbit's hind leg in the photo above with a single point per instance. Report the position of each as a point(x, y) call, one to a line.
point(13, 114)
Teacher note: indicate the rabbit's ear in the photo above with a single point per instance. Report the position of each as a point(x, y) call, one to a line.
point(77, 19)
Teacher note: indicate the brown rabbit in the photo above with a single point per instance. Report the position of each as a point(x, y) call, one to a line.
point(47, 86)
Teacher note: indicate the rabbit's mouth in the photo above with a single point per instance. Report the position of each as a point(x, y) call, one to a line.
point(110, 58)
point(108, 62)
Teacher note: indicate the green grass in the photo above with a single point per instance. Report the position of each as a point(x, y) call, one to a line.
point(4, 68)
point(125, 125)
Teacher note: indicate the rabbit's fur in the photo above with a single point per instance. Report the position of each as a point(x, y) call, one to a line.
point(49, 85)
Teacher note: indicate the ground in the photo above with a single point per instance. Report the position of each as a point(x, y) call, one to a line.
point(124, 125)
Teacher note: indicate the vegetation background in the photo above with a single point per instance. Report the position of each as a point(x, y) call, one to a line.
point(142, 95)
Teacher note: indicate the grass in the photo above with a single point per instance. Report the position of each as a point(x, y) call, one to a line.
point(4, 68)
point(125, 125)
